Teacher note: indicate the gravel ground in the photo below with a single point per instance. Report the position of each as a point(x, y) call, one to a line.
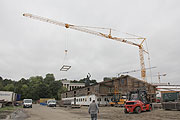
point(39, 112)
point(4, 114)
point(116, 113)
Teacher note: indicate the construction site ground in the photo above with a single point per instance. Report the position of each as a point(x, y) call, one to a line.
point(39, 112)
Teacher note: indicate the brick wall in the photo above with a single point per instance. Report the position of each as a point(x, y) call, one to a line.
point(124, 84)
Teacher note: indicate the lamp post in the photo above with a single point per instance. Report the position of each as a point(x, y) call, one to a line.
point(159, 76)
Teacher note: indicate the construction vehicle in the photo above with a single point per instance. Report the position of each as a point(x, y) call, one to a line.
point(118, 100)
point(104, 35)
point(137, 102)
point(7, 97)
point(171, 100)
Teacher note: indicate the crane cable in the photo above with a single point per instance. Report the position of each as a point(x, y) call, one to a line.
point(149, 61)
point(66, 49)
point(65, 66)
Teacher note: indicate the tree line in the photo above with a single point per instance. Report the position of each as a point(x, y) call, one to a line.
point(37, 87)
point(83, 81)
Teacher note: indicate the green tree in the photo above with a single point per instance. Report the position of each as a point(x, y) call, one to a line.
point(93, 81)
point(36, 80)
point(7, 81)
point(1, 83)
point(35, 87)
point(25, 91)
point(49, 78)
point(1, 86)
point(42, 91)
point(83, 81)
point(1, 78)
point(54, 88)
point(9, 87)
point(23, 81)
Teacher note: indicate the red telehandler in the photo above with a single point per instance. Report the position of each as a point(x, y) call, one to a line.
point(137, 102)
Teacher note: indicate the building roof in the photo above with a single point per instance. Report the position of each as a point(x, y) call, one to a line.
point(168, 88)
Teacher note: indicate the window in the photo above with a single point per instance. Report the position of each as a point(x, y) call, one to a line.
point(88, 89)
point(122, 81)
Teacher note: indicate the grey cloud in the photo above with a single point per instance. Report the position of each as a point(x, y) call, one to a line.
point(29, 47)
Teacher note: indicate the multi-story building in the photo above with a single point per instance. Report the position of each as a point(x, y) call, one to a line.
point(71, 86)
point(103, 92)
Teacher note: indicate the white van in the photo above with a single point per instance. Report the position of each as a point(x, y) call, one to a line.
point(51, 103)
point(27, 103)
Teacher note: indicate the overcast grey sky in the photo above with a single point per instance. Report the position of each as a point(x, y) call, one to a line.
point(30, 47)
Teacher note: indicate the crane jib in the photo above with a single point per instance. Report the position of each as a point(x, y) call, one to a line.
point(141, 50)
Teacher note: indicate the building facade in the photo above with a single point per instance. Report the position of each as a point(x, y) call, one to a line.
point(103, 92)
point(166, 88)
point(70, 86)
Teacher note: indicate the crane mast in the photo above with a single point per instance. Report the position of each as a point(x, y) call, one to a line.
point(108, 36)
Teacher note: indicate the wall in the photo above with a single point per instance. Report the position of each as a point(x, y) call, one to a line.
point(122, 85)
point(93, 89)
point(87, 100)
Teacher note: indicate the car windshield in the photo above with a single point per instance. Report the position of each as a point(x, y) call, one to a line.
point(27, 101)
point(53, 101)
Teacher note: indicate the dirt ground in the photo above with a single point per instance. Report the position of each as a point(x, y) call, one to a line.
point(116, 113)
point(39, 112)
point(4, 114)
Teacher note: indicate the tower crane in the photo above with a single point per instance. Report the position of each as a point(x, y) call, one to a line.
point(108, 36)
point(159, 76)
point(131, 71)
